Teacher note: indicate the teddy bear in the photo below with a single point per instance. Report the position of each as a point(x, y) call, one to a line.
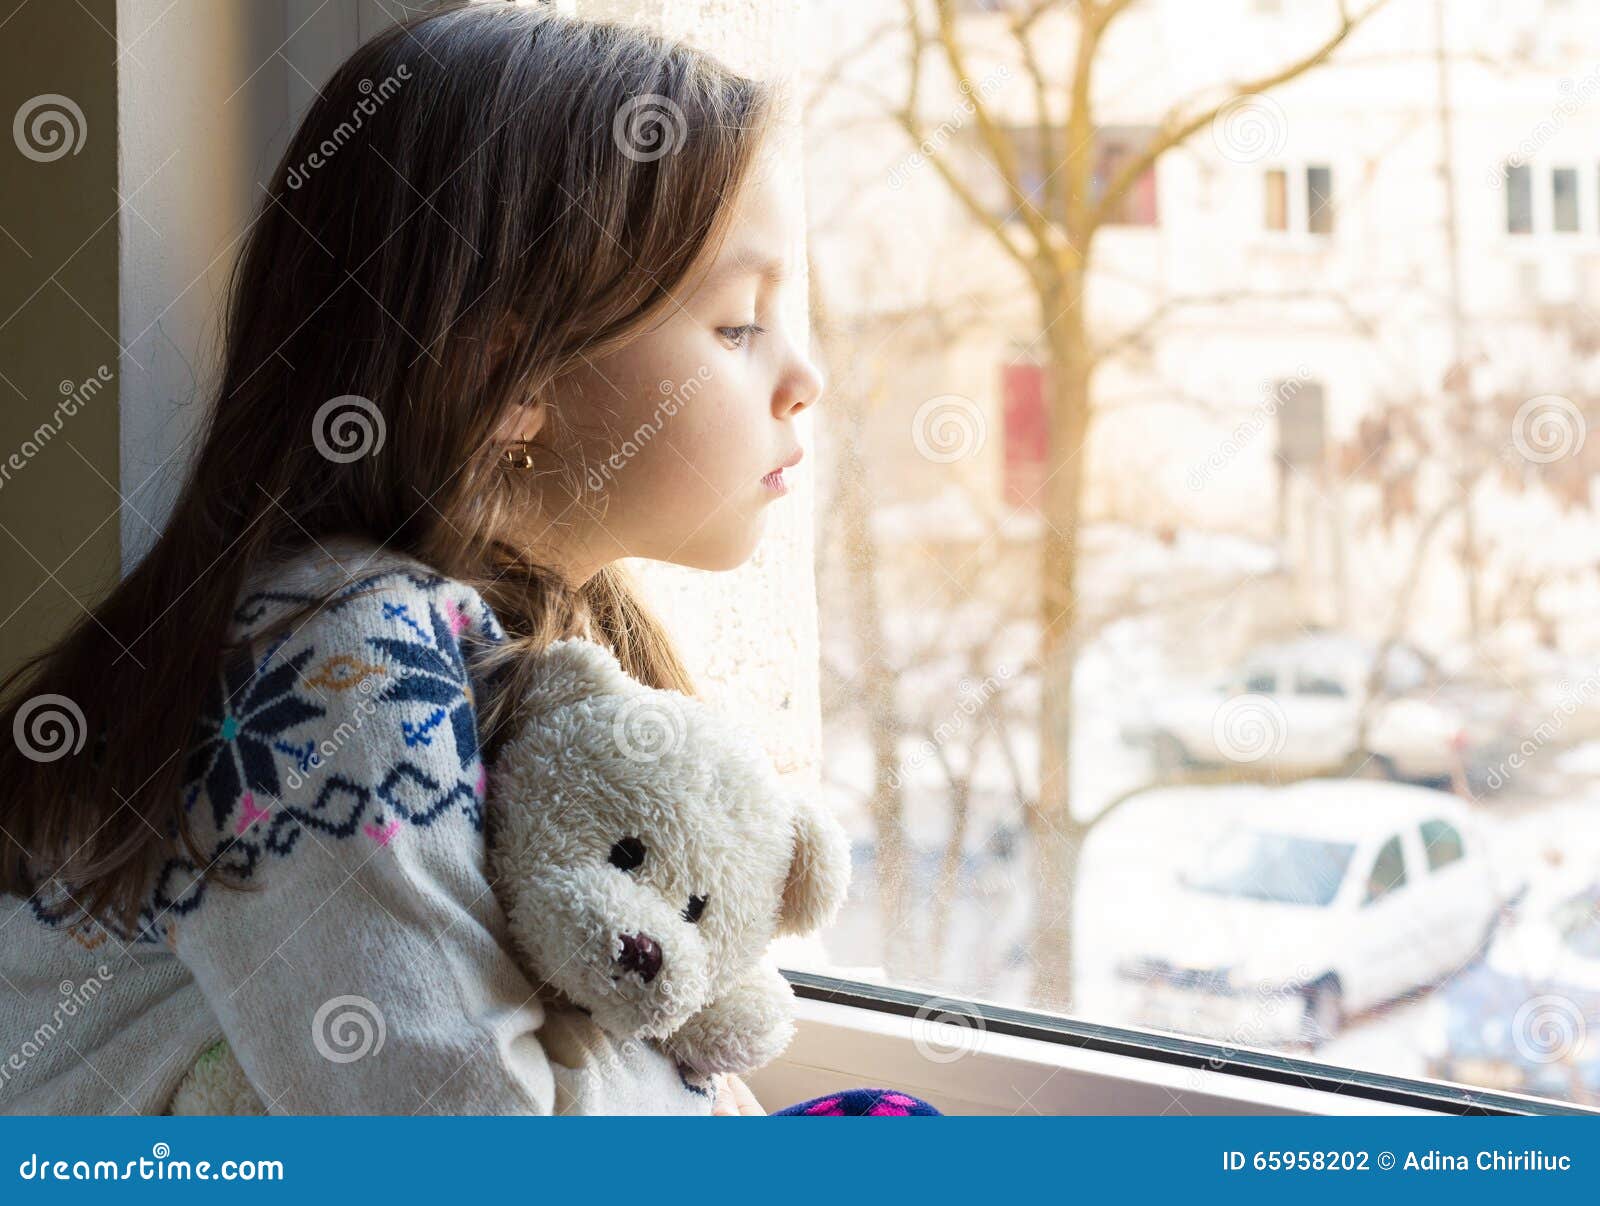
point(645, 854)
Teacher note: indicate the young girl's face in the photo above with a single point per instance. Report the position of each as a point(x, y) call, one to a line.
point(681, 431)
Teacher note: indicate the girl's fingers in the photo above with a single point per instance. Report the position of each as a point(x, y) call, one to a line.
point(744, 1099)
point(723, 1104)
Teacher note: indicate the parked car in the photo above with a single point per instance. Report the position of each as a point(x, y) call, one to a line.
point(1316, 901)
point(1298, 705)
point(1527, 1019)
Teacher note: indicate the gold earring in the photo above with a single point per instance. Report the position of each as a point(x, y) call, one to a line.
point(517, 456)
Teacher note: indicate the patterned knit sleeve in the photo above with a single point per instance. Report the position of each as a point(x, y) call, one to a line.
point(338, 773)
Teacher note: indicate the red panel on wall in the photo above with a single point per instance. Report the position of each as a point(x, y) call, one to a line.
point(1027, 433)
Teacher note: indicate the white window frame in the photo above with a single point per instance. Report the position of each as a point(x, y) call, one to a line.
point(1298, 202)
point(1013, 1062)
point(1542, 174)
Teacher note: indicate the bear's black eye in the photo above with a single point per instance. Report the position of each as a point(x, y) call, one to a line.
point(627, 854)
point(697, 906)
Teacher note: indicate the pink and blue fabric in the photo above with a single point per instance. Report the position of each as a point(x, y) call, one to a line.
point(861, 1103)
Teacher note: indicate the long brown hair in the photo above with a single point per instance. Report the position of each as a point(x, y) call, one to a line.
point(477, 197)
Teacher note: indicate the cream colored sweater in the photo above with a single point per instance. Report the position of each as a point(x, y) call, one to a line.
point(337, 769)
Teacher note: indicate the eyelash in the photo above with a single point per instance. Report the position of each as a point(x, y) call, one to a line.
point(741, 335)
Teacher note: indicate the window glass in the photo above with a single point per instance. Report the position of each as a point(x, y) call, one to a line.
point(1163, 575)
point(1277, 184)
point(1388, 871)
point(1564, 199)
point(1319, 200)
point(1442, 842)
point(1519, 199)
point(1276, 867)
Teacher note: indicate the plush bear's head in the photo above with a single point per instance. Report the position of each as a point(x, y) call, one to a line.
point(646, 852)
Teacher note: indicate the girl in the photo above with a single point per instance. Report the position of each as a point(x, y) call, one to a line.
point(244, 800)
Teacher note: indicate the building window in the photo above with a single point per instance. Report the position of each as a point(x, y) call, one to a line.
point(1298, 201)
point(1277, 181)
point(1519, 198)
point(1319, 199)
point(1564, 200)
point(1115, 145)
point(1027, 428)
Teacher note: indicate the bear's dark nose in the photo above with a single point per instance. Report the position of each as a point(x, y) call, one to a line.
point(640, 953)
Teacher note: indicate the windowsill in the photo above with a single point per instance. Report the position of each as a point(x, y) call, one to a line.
point(1293, 242)
point(1017, 1062)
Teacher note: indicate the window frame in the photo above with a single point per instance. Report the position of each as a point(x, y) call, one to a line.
point(848, 1018)
point(1298, 218)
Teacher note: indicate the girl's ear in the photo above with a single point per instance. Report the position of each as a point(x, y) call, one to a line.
point(819, 871)
point(521, 422)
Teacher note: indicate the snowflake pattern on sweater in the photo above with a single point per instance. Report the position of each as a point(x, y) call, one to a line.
point(265, 734)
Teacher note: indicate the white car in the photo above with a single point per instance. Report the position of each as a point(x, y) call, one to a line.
point(1312, 902)
point(1298, 706)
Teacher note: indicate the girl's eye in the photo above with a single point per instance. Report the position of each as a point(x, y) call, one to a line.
point(740, 336)
point(627, 854)
point(697, 906)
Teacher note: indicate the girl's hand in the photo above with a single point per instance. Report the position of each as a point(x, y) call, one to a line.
point(734, 1098)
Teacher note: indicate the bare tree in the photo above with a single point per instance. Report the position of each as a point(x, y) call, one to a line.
point(1060, 225)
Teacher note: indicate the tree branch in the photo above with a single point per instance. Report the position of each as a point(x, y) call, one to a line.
point(1175, 128)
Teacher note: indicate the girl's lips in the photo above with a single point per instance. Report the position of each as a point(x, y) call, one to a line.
point(774, 480)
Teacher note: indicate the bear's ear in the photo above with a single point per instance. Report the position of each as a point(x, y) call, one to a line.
point(819, 871)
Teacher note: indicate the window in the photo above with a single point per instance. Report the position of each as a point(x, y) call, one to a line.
point(1577, 921)
point(1277, 182)
point(1519, 198)
point(1388, 871)
point(1442, 843)
point(1309, 682)
point(1114, 145)
point(1261, 682)
point(1319, 200)
point(1302, 423)
point(1277, 868)
point(1564, 200)
point(1298, 201)
point(1027, 433)
point(1088, 770)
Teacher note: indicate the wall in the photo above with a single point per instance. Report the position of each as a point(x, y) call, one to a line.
point(58, 319)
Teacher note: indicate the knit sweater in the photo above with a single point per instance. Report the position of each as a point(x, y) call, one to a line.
point(337, 770)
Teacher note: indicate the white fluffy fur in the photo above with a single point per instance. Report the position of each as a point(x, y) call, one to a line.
point(603, 758)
